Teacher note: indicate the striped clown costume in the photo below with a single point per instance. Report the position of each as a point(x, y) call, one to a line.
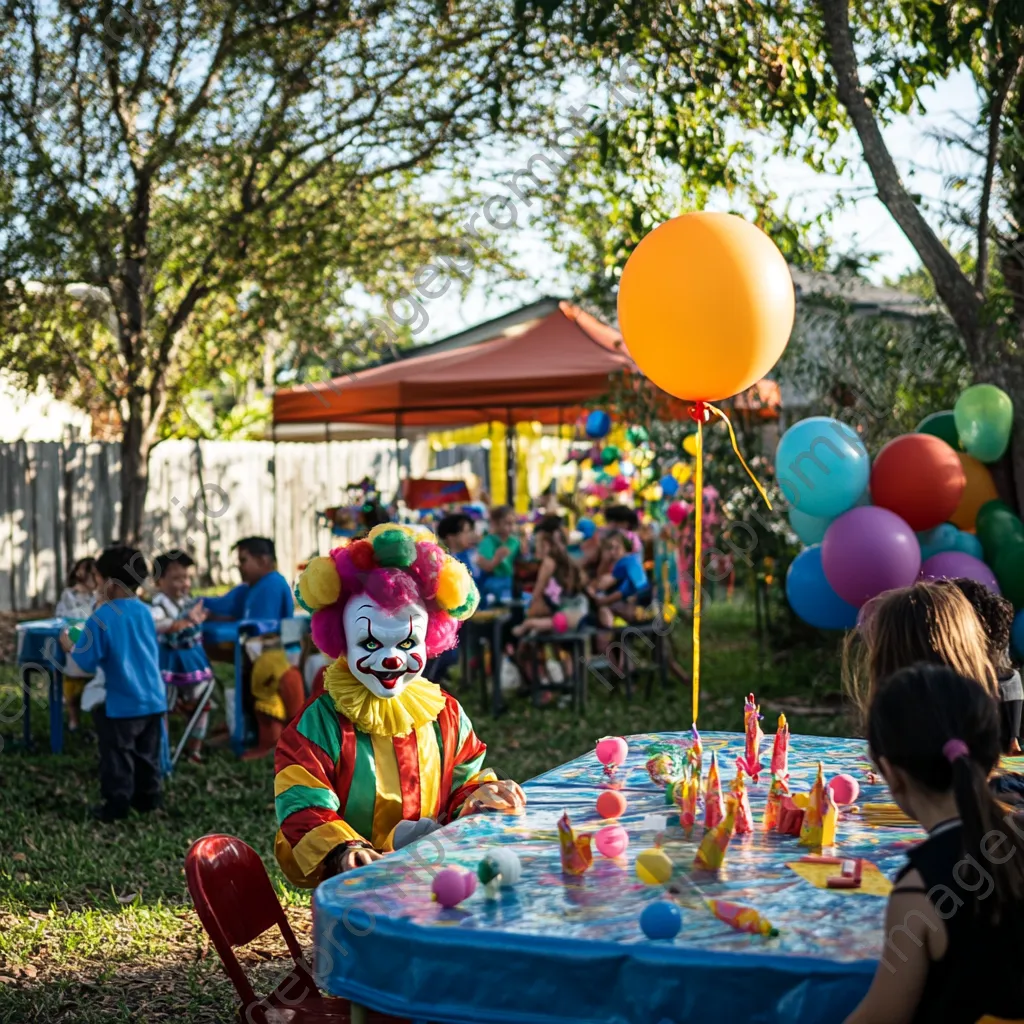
point(381, 747)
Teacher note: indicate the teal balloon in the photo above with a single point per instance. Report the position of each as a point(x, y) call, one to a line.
point(997, 527)
point(935, 542)
point(970, 545)
point(810, 529)
point(942, 425)
point(984, 419)
point(637, 435)
point(609, 455)
point(822, 467)
point(1008, 566)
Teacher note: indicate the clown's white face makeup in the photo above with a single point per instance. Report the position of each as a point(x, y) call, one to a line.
point(386, 650)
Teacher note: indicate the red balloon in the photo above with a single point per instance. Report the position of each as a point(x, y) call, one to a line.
point(920, 478)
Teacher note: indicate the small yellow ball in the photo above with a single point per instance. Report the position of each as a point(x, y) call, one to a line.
point(653, 867)
point(453, 584)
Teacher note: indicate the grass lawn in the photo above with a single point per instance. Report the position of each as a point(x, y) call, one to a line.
point(95, 921)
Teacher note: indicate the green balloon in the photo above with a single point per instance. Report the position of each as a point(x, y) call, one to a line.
point(637, 435)
point(1009, 570)
point(609, 455)
point(984, 418)
point(998, 528)
point(942, 425)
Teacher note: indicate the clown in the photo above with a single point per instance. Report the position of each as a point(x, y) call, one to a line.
point(382, 755)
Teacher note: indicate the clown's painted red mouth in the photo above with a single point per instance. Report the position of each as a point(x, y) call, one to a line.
point(388, 679)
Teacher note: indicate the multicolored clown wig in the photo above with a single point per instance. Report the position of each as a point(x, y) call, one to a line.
point(396, 567)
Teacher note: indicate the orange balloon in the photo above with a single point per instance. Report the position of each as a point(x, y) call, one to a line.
point(979, 489)
point(706, 305)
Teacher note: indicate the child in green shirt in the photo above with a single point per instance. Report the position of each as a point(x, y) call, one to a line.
point(497, 553)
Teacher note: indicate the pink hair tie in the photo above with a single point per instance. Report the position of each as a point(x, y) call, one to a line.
point(953, 749)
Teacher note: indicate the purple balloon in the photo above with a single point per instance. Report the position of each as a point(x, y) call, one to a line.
point(868, 551)
point(952, 565)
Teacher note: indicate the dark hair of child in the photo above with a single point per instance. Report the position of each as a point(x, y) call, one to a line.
point(123, 565)
point(996, 615)
point(80, 570)
point(258, 547)
point(162, 562)
point(619, 536)
point(943, 731)
point(500, 513)
point(567, 573)
point(371, 515)
point(622, 516)
point(452, 525)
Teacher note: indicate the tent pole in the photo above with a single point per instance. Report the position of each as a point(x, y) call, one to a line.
point(510, 459)
point(398, 456)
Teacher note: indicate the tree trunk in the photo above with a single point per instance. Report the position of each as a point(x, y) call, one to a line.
point(134, 476)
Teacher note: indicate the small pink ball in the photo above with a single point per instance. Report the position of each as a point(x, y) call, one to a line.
point(559, 622)
point(677, 512)
point(452, 885)
point(612, 751)
point(844, 789)
point(611, 804)
point(620, 484)
point(611, 841)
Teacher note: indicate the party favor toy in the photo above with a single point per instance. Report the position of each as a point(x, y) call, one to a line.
point(754, 737)
point(500, 869)
point(744, 817)
point(773, 805)
point(812, 827)
point(742, 918)
point(695, 755)
point(685, 793)
point(576, 853)
point(791, 817)
point(711, 852)
point(714, 805)
point(664, 765)
point(780, 749)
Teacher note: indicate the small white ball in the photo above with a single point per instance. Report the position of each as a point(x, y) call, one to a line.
point(508, 864)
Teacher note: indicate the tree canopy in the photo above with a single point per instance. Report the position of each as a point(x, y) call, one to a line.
point(181, 182)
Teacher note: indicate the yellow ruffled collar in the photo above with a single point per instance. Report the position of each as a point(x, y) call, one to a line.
point(418, 704)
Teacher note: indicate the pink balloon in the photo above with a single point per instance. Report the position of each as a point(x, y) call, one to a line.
point(559, 622)
point(452, 885)
point(677, 512)
point(612, 750)
point(844, 789)
point(952, 565)
point(620, 484)
point(611, 841)
point(868, 551)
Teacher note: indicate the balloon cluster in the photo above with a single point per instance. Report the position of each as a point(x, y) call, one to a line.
point(927, 508)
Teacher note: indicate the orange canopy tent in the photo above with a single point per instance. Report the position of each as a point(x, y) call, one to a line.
point(546, 374)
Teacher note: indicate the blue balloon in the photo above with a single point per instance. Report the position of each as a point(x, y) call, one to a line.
point(810, 529)
point(822, 467)
point(935, 542)
point(969, 545)
point(598, 424)
point(586, 527)
point(661, 920)
point(1017, 634)
point(811, 597)
point(669, 486)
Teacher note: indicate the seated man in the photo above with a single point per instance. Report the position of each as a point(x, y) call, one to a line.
point(381, 756)
point(263, 594)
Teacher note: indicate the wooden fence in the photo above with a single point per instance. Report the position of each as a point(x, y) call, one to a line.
point(60, 502)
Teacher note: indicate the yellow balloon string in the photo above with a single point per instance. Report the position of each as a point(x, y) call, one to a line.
point(698, 537)
point(736, 448)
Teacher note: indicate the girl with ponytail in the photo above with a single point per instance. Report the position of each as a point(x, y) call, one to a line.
point(955, 921)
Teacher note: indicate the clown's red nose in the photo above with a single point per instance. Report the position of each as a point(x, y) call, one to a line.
point(391, 663)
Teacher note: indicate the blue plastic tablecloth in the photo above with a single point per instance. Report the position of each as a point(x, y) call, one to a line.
point(557, 949)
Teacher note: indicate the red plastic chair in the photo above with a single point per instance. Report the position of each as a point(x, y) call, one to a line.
point(236, 902)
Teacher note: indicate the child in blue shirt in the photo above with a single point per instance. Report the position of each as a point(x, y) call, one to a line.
point(625, 587)
point(457, 533)
point(120, 639)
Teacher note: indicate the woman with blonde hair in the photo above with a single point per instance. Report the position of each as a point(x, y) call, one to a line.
point(928, 622)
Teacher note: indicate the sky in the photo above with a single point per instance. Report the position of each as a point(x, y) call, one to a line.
point(865, 224)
